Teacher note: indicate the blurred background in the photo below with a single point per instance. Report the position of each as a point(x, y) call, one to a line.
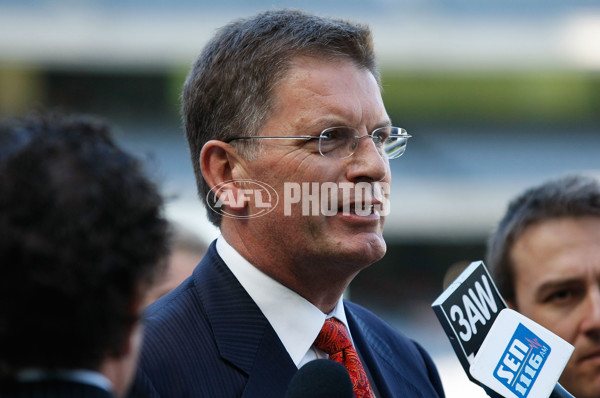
point(498, 95)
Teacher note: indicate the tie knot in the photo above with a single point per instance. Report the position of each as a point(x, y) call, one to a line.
point(333, 337)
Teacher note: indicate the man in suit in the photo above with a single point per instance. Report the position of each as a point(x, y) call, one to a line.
point(82, 236)
point(545, 258)
point(290, 143)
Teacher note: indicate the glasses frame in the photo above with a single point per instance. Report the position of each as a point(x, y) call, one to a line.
point(403, 134)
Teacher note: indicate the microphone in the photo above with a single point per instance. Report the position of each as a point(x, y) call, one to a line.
point(321, 378)
point(506, 353)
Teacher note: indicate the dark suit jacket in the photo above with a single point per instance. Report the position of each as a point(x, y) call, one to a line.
point(51, 389)
point(208, 338)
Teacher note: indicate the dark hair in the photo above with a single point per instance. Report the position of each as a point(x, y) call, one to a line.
point(569, 196)
point(82, 235)
point(228, 92)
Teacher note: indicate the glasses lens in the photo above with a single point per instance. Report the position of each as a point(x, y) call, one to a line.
point(338, 142)
point(381, 135)
point(395, 143)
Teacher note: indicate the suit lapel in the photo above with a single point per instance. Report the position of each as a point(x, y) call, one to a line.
point(243, 335)
point(371, 359)
point(388, 373)
point(273, 369)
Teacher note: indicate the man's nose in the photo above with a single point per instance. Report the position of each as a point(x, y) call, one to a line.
point(591, 324)
point(367, 163)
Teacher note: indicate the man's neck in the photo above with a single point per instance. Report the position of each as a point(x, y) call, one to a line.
point(303, 276)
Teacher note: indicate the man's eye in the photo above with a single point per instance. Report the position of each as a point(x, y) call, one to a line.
point(332, 135)
point(562, 296)
point(378, 139)
point(327, 136)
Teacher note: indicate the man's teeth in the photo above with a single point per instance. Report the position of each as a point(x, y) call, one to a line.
point(362, 209)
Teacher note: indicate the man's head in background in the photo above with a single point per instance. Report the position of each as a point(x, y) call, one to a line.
point(545, 258)
point(82, 237)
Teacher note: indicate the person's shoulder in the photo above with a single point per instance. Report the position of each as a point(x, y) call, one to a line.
point(169, 304)
point(175, 326)
point(186, 298)
point(170, 316)
point(180, 316)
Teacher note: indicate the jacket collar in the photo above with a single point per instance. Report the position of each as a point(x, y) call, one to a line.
point(242, 334)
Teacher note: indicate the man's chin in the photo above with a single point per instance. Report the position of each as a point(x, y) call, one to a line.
point(366, 251)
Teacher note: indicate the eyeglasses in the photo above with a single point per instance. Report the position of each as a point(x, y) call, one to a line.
point(341, 142)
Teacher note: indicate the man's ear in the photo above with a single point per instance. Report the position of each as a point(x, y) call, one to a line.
point(221, 166)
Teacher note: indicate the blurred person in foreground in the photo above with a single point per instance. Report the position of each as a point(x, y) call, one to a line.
point(279, 100)
point(82, 237)
point(545, 258)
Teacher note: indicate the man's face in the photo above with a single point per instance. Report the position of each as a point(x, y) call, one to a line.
point(557, 284)
point(313, 96)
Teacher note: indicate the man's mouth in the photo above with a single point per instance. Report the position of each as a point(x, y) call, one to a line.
point(591, 355)
point(361, 209)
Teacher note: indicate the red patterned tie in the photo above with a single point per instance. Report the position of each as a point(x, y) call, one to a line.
point(334, 340)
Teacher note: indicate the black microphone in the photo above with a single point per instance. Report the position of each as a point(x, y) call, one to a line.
point(321, 378)
point(506, 353)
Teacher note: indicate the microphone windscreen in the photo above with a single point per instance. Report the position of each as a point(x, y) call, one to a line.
point(321, 378)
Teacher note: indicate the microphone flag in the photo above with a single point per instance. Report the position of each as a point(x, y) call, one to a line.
point(467, 309)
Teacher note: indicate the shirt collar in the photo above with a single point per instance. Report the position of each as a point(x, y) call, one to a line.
point(299, 325)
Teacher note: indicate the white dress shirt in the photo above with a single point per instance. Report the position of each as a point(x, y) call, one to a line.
point(299, 323)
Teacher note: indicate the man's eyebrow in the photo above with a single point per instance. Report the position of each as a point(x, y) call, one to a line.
point(549, 286)
point(329, 121)
point(334, 121)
